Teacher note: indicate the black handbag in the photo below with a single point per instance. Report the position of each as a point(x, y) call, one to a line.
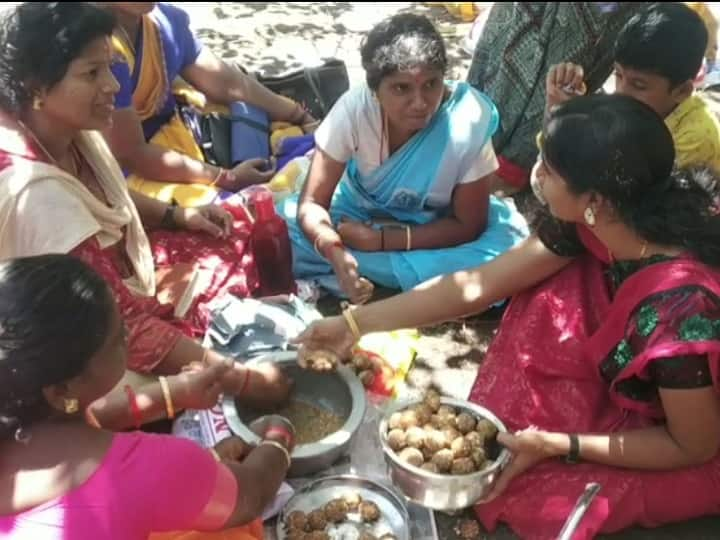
point(317, 88)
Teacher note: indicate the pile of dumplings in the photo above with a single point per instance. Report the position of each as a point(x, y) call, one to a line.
point(439, 438)
point(313, 526)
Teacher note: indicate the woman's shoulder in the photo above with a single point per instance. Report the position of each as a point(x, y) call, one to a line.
point(171, 14)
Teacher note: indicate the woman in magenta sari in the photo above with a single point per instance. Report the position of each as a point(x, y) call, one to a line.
point(607, 365)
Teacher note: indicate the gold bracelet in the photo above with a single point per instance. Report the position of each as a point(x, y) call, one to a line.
point(168, 397)
point(408, 238)
point(352, 323)
point(279, 446)
point(91, 419)
point(221, 171)
point(214, 454)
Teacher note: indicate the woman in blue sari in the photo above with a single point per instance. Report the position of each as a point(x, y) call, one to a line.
point(398, 192)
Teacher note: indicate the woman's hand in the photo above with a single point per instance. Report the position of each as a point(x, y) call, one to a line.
point(232, 449)
point(198, 387)
point(563, 82)
point(273, 427)
point(359, 236)
point(330, 334)
point(358, 289)
point(528, 447)
point(211, 219)
point(268, 387)
point(248, 173)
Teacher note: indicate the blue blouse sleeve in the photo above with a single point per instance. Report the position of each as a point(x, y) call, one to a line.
point(121, 71)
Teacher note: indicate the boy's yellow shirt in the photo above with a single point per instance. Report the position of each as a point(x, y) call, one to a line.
point(696, 133)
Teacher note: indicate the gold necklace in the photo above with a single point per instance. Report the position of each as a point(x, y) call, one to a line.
point(644, 248)
point(75, 172)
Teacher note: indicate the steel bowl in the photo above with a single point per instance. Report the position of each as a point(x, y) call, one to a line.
point(444, 492)
point(339, 392)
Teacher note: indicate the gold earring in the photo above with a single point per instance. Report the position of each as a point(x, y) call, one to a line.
point(71, 406)
point(589, 216)
point(37, 103)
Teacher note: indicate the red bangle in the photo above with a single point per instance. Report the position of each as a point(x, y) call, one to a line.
point(336, 244)
point(281, 432)
point(246, 382)
point(134, 407)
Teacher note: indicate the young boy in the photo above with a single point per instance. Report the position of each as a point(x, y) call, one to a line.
point(658, 54)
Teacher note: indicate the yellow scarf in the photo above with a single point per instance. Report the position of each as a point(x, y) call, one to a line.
point(152, 87)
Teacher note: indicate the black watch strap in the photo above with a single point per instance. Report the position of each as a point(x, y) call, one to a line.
point(573, 455)
point(168, 220)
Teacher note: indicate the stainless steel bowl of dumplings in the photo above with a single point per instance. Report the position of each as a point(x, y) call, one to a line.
point(445, 468)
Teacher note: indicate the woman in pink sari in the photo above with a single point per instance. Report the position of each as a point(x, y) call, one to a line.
point(63, 345)
point(607, 365)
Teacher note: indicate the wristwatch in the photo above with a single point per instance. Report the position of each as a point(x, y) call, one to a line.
point(168, 220)
point(573, 456)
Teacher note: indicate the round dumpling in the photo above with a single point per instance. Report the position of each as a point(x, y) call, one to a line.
point(446, 410)
point(424, 413)
point(409, 419)
point(468, 529)
point(296, 521)
point(462, 466)
point(361, 362)
point(415, 437)
point(369, 512)
point(450, 435)
point(336, 511)
point(486, 428)
point(479, 458)
point(435, 440)
point(367, 536)
point(317, 520)
point(432, 400)
point(460, 448)
point(443, 460)
point(441, 421)
point(321, 360)
point(475, 440)
point(430, 467)
point(465, 423)
point(412, 456)
point(353, 501)
point(397, 439)
point(395, 421)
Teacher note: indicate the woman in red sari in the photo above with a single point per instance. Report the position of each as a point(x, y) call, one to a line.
point(61, 191)
point(610, 357)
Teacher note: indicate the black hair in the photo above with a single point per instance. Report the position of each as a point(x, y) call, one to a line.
point(619, 148)
point(39, 40)
point(55, 314)
point(668, 39)
point(401, 42)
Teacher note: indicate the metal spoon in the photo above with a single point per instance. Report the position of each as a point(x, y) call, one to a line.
point(581, 506)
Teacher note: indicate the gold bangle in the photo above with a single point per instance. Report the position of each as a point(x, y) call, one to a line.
point(279, 446)
point(408, 238)
point(352, 323)
point(214, 454)
point(168, 398)
point(91, 419)
point(221, 171)
point(316, 245)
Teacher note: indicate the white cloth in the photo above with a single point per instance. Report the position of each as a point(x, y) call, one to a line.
point(45, 210)
point(353, 129)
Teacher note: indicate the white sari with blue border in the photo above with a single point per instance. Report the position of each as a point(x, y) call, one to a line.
point(399, 189)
